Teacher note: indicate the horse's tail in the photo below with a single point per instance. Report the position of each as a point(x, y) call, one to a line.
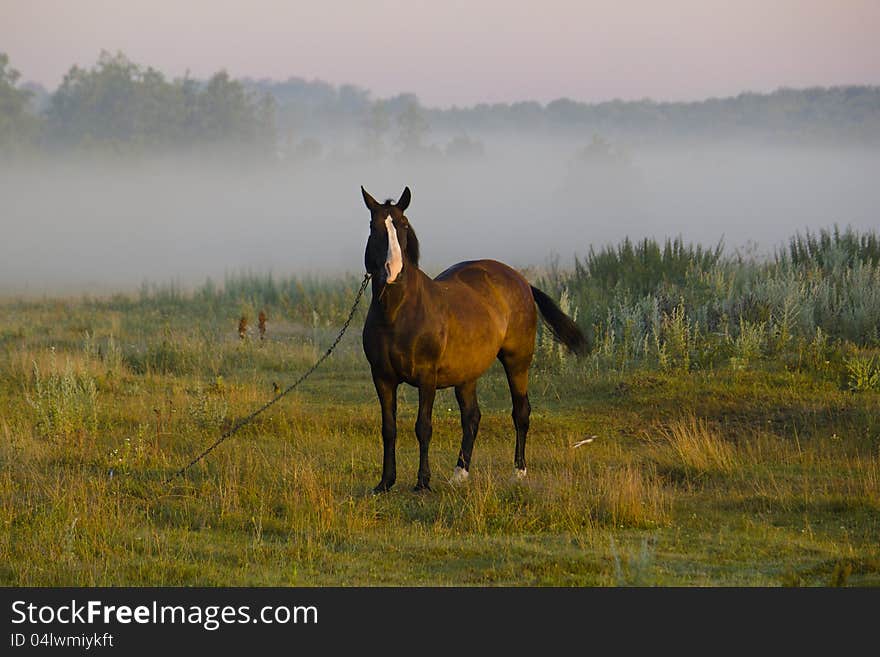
point(561, 325)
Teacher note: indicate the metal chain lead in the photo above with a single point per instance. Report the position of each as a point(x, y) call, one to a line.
point(246, 420)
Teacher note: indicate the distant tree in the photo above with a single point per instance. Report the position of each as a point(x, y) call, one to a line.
point(602, 173)
point(308, 149)
point(412, 130)
point(353, 100)
point(463, 147)
point(116, 105)
point(225, 110)
point(526, 115)
point(376, 126)
point(227, 113)
point(267, 132)
point(599, 153)
point(18, 126)
point(189, 91)
point(39, 97)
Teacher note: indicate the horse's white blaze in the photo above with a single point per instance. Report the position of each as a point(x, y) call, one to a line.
point(394, 259)
point(459, 475)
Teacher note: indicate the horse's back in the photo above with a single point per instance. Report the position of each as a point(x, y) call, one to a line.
point(480, 273)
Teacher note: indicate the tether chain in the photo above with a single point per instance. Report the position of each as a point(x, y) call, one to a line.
point(246, 420)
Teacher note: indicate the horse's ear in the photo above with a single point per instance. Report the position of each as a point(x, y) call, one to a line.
point(403, 201)
point(371, 203)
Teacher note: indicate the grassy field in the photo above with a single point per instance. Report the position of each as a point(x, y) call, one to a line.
point(734, 448)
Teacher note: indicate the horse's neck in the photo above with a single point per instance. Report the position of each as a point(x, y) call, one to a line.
point(409, 291)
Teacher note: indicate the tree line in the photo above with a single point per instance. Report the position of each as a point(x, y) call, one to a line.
point(119, 106)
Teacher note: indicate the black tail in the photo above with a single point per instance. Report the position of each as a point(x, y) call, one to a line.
point(563, 327)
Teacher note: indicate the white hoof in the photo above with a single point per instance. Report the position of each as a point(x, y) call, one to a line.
point(459, 475)
point(519, 475)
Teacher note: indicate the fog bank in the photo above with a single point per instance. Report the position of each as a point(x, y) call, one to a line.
point(102, 226)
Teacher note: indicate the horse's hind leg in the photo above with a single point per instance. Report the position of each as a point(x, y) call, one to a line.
point(466, 395)
point(517, 370)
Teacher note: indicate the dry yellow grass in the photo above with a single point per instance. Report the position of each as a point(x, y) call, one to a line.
point(631, 496)
point(698, 447)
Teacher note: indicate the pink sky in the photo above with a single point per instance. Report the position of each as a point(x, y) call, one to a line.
point(459, 52)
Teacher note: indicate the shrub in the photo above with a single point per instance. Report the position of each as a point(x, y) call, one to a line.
point(65, 402)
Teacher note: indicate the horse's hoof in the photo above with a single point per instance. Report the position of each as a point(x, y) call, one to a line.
point(519, 475)
point(421, 488)
point(382, 487)
point(459, 476)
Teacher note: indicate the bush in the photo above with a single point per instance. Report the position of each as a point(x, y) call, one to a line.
point(65, 402)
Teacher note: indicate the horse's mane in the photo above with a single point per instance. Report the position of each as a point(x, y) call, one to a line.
point(412, 245)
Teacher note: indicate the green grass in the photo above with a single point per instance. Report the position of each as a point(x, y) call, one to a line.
point(758, 466)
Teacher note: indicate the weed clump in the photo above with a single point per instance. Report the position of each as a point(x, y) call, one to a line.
point(65, 402)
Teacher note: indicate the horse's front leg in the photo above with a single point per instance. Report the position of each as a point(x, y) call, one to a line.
point(387, 392)
point(423, 433)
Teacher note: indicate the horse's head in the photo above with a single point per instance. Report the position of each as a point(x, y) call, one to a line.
point(392, 245)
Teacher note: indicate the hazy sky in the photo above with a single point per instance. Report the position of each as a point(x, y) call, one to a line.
point(463, 52)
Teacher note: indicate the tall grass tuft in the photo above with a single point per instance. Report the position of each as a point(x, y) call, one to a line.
point(65, 402)
point(862, 372)
point(631, 496)
point(830, 248)
point(639, 267)
point(698, 448)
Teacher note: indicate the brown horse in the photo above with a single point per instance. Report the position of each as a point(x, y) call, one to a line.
point(446, 332)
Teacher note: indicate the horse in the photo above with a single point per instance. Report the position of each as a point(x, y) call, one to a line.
point(446, 332)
